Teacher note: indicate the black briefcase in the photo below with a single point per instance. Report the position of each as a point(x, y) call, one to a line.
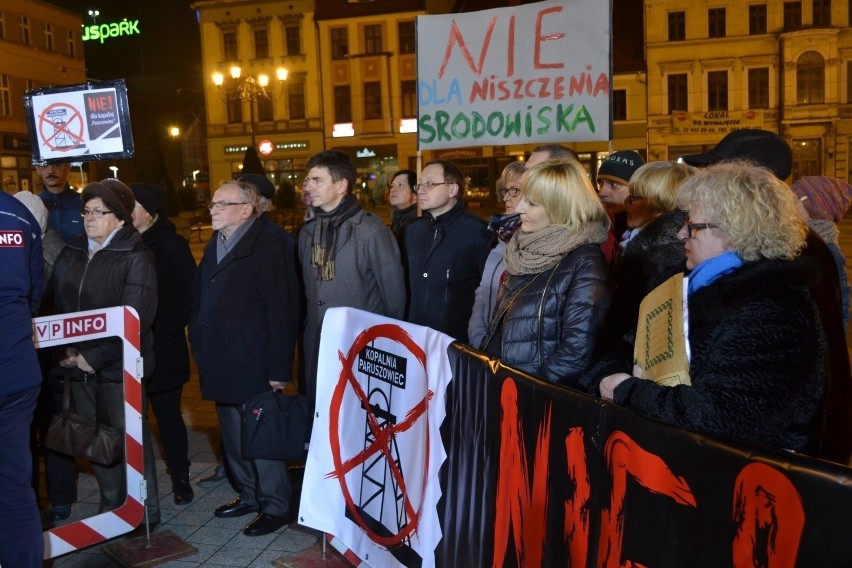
point(277, 426)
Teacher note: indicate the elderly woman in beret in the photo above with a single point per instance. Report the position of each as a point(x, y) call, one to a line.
point(108, 266)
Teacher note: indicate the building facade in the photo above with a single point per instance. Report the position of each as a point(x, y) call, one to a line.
point(714, 66)
point(284, 118)
point(41, 47)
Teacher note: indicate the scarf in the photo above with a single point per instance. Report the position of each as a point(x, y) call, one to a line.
point(532, 253)
point(326, 229)
point(503, 227)
point(712, 269)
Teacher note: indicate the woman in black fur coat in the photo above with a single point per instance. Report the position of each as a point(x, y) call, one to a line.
point(754, 336)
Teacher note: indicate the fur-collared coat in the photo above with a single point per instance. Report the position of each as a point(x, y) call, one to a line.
point(757, 351)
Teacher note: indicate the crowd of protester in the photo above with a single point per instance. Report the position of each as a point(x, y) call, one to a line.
point(551, 287)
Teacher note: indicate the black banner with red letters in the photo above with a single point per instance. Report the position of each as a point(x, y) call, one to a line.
point(538, 475)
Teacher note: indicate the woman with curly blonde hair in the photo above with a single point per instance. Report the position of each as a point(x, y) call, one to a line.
point(755, 343)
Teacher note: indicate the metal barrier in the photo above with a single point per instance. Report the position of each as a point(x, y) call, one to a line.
point(122, 322)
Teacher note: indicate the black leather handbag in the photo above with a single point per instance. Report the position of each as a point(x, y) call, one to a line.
point(277, 426)
point(72, 434)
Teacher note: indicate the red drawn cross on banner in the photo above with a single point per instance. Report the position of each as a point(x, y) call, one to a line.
point(383, 436)
point(61, 128)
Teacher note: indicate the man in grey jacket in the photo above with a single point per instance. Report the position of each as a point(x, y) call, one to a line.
point(348, 256)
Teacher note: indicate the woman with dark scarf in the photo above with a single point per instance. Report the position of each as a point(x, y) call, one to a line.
point(502, 228)
point(755, 343)
point(553, 301)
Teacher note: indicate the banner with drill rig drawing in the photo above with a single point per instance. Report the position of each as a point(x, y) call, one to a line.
point(533, 73)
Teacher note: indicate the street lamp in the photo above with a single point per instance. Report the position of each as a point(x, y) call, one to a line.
point(174, 131)
point(94, 14)
point(249, 89)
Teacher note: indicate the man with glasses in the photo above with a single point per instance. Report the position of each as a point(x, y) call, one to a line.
point(243, 331)
point(348, 256)
point(446, 250)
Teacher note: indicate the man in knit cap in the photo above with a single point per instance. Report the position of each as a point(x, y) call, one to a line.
point(613, 177)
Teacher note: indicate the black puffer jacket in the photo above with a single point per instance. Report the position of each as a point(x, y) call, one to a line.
point(122, 273)
point(757, 361)
point(548, 324)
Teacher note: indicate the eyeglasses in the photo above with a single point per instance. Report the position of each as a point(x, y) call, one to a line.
point(510, 191)
point(693, 228)
point(96, 213)
point(609, 183)
point(631, 199)
point(220, 205)
point(428, 185)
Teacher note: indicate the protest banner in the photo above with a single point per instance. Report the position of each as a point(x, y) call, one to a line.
point(522, 472)
point(78, 123)
point(533, 73)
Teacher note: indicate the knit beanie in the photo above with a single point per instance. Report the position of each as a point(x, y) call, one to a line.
point(619, 166)
point(36, 207)
point(828, 198)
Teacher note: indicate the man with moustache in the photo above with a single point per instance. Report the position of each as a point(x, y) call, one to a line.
point(62, 202)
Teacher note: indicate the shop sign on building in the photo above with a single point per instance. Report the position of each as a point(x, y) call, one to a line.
point(716, 122)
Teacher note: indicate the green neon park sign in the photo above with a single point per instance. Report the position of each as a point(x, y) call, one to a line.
point(104, 31)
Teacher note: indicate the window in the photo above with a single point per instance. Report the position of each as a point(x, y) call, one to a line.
point(5, 96)
point(678, 94)
point(293, 40)
point(717, 90)
point(407, 37)
point(409, 99)
point(25, 29)
point(757, 19)
point(822, 12)
point(229, 45)
point(677, 26)
point(373, 38)
point(810, 78)
point(72, 44)
point(619, 104)
point(716, 22)
point(339, 43)
point(849, 81)
point(2, 25)
point(296, 100)
point(342, 104)
point(758, 87)
point(372, 100)
point(235, 107)
point(48, 36)
point(792, 16)
point(265, 112)
point(261, 43)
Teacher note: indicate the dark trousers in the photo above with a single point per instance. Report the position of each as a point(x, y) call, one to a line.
point(60, 470)
point(166, 408)
point(263, 482)
point(21, 541)
point(111, 480)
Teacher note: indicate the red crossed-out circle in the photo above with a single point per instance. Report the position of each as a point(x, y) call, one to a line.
point(383, 436)
point(75, 119)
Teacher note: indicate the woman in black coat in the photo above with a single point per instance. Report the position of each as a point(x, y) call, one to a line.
point(175, 271)
point(552, 303)
point(756, 346)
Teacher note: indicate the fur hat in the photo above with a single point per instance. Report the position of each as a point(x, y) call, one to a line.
point(151, 197)
point(36, 207)
point(261, 182)
point(828, 198)
point(765, 148)
point(619, 166)
point(115, 195)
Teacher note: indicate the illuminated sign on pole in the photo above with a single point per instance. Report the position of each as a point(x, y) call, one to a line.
point(265, 147)
point(115, 29)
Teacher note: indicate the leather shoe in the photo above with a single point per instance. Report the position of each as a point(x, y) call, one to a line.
point(60, 512)
point(236, 508)
point(182, 490)
point(265, 523)
point(219, 474)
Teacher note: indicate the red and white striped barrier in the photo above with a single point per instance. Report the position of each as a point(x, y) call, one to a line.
point(123, 322)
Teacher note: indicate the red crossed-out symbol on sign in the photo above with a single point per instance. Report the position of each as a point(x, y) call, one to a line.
point(383, 436)
point(66, 139)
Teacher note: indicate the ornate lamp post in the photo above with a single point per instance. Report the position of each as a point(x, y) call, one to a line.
point(249, 89)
